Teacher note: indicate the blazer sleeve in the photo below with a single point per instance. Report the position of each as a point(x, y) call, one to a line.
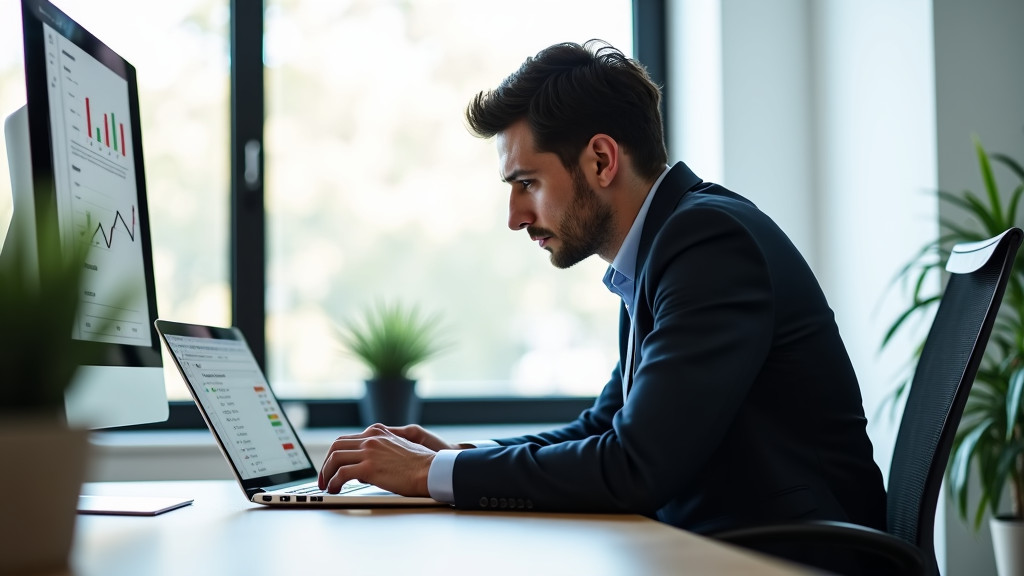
point(705, 318)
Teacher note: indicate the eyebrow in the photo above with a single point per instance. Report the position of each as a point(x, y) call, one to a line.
point(516, 175)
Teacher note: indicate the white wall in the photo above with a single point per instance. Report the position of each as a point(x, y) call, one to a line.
point(875, 142)
point(768, 118)
point(828, 124)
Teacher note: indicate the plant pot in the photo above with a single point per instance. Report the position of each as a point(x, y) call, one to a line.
point(1008, 545)
point(390, 401)
point(45, 465)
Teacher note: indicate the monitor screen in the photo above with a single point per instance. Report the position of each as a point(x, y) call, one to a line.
point(83, 133)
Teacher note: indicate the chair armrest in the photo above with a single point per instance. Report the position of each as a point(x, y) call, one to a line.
point(904, 557)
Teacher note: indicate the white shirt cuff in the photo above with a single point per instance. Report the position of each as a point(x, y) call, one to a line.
point(481, 443)
point(440, 476)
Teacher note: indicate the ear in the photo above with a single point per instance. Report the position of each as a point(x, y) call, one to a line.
point(601, 160)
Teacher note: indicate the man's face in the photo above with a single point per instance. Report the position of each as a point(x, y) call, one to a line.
point(556, 206)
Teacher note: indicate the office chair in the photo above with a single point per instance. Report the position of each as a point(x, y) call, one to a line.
point(945, 372)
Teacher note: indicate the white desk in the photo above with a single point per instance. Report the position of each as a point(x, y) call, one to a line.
point(222, 534)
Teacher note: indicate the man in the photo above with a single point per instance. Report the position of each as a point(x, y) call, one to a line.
point(734, 402)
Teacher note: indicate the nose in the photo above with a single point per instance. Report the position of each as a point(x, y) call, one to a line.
point(519, 215)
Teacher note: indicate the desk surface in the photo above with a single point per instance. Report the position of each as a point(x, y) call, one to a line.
point(223, 534)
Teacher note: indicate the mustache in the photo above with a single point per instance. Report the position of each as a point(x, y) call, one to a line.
point(536, 231)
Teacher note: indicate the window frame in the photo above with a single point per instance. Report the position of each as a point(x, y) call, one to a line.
point(248, 235)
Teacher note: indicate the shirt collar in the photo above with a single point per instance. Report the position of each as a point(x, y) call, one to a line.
point(619, 276)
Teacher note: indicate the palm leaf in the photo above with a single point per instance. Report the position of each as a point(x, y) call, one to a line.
point(990, 181)
point(1013, 395)
point(905, 315)
point(1010, 163)
point(960, 467)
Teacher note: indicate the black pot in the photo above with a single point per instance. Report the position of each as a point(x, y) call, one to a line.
point(390, 401)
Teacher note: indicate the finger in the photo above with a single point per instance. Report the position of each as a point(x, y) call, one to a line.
point(335, 459)
point(340, 467)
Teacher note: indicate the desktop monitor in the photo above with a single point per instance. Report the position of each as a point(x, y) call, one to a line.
point(77, 145)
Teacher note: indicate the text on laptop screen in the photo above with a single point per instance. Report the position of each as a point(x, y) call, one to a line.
point(236, 398)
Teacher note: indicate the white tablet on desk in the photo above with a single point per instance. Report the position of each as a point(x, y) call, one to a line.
point(129, 505)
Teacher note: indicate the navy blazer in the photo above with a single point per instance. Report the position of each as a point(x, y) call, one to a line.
point(743, 409)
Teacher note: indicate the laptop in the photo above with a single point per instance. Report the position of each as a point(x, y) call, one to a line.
point(252, 431)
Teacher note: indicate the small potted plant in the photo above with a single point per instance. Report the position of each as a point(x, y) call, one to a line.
point(990, 439)
point(391, 340)
point(38, 304)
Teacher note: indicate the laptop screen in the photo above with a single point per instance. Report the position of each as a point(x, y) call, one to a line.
point(238, 404)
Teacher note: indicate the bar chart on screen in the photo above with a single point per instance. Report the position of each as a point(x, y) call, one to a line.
point(109, 136)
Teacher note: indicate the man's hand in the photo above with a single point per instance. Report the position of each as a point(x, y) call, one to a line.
point(423, 437)
point(380, 457)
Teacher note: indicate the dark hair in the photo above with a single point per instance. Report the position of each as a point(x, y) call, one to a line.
point(568, 93)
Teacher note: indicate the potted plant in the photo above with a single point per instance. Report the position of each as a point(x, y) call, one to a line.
point(391, 340)
point(38, 301)
point(990, 438)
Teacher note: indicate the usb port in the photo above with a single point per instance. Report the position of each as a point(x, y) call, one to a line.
point(300, 498)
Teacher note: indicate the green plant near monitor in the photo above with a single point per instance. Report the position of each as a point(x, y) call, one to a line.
point(990, 439)
point(38, 303)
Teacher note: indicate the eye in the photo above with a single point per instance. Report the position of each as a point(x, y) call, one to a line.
point(526, 184)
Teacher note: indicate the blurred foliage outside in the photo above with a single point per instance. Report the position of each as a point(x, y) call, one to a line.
point(374, 187)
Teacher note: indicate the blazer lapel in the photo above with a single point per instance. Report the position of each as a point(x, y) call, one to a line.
point(679, 180)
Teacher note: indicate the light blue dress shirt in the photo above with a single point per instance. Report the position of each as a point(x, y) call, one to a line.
point(619, 276)
point(619, 279)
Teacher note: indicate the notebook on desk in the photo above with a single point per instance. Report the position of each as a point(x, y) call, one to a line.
point(252, 431)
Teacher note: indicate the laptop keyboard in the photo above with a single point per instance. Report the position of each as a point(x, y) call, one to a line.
point(312, 488)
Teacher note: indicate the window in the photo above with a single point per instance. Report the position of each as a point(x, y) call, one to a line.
point(376, 190)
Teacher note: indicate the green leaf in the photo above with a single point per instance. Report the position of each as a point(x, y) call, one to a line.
point(987, 455)
point(907, 314)
point(960, 468)
point(38, 306)
point(990, 182)
point(958, 234)
point(1003, 470)
point(391, 339)
point(991, 221)
point(1011, 211)
point(1013, 395)
point(921, 279)
point(979, 513)
point(1010, 163)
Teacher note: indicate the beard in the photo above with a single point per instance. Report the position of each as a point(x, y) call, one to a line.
point(585, 228)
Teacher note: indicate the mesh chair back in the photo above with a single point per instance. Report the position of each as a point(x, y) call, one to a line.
point(945, 373)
